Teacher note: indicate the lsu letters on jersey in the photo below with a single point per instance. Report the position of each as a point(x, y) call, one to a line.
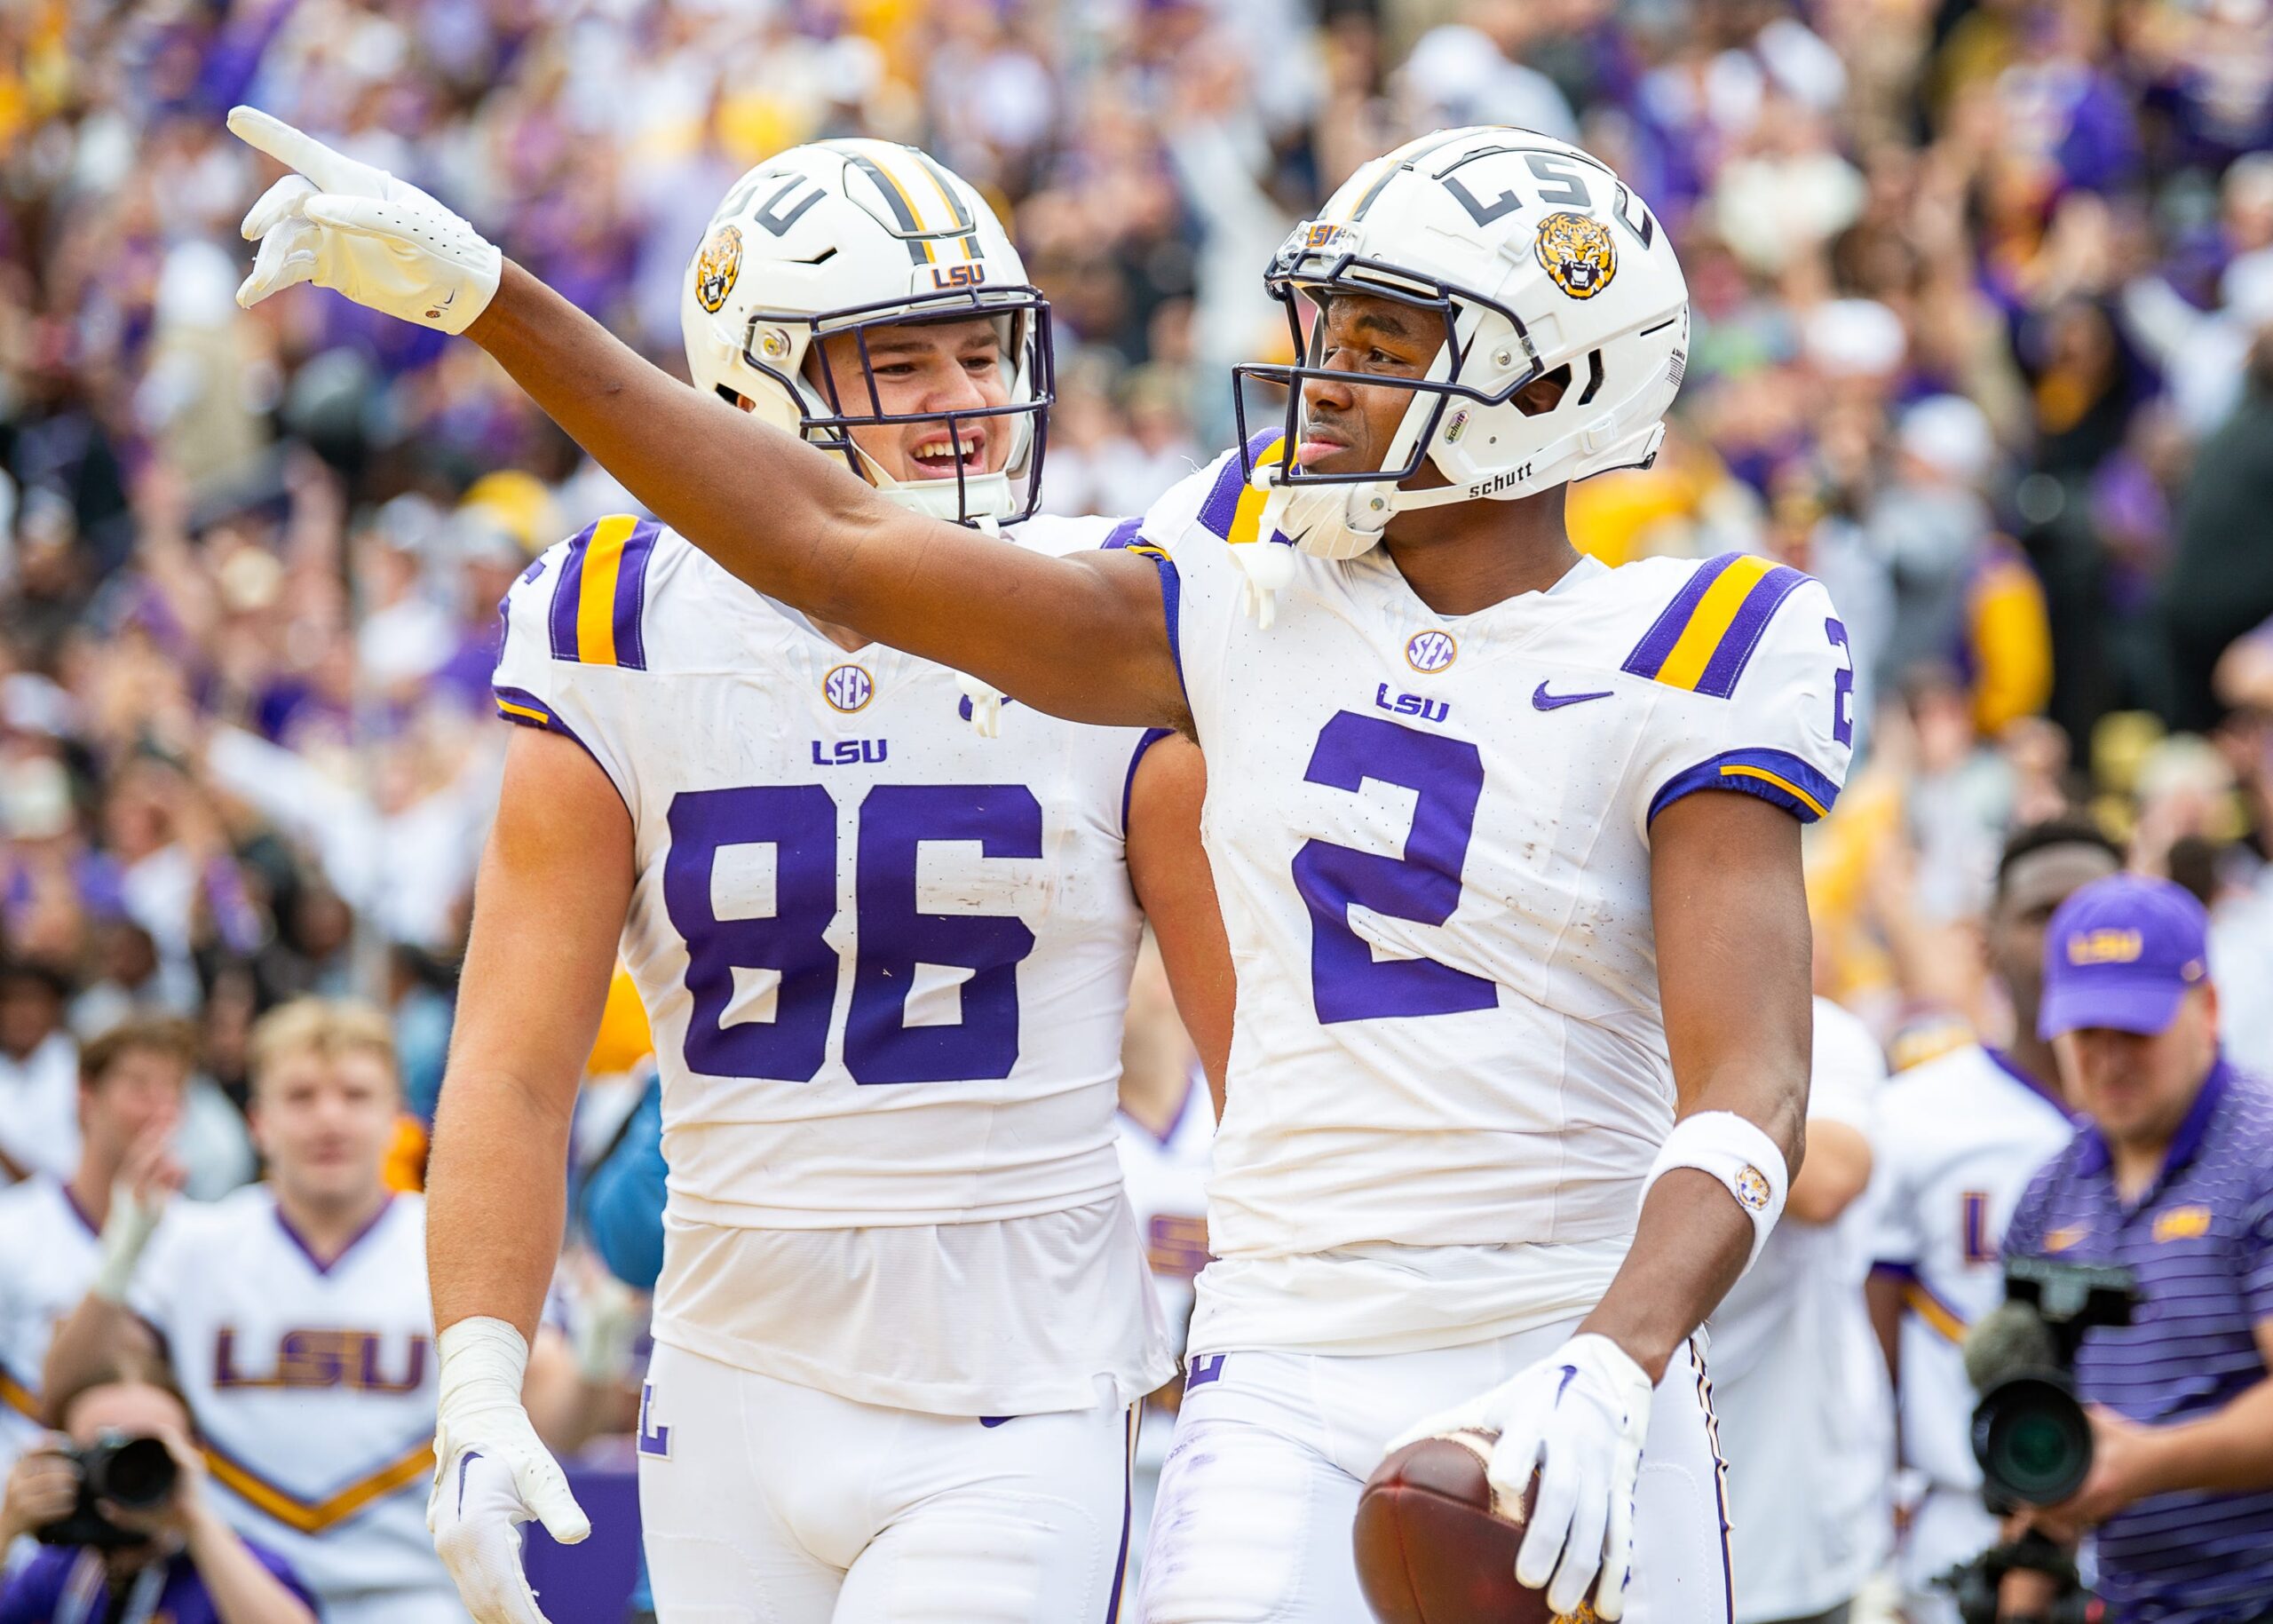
point(886, 962)
point(1430, 834)
point(48, 1252)
point(313, 1386)
point(1960, 1137)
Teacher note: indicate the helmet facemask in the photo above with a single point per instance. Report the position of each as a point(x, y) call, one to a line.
point(823, 404)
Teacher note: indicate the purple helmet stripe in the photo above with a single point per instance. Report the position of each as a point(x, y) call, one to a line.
point(1745, 631)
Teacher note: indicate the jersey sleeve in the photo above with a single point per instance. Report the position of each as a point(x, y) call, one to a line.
point(1845, 1070)
point(1189, 533)
point(1897, 1242)
point(1766, 700)
point(579, 610)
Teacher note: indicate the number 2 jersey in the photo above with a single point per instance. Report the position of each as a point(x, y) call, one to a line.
point(1430, 837)
point(886, 960)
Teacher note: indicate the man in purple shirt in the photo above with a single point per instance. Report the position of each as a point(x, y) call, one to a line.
point(2172, 1178)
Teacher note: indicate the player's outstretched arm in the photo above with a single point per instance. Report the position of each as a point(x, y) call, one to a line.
point(549, 906)
point(1083, 637)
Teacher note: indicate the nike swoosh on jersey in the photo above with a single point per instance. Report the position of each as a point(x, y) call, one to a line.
point(1541, 699)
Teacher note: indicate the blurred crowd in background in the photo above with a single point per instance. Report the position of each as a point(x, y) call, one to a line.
point(1983, 296)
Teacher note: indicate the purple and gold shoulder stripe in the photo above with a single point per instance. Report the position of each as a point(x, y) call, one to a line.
point(1707, 635)
point(1233, 510)
point(1775, 776)
point(596, 603)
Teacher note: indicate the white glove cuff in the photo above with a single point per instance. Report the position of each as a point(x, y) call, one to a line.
point(1740, 1155)
point(483, 1361)
point(127, 1229)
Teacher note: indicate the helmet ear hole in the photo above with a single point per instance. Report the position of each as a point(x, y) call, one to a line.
point(1544, 393)
point(1594, 376)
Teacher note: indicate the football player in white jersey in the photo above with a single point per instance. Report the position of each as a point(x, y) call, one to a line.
point(131, 1083)
point(294, 1315)
point(1807, 1420)
point(1960, 1137)
point(1508, 842)
point(883, 929)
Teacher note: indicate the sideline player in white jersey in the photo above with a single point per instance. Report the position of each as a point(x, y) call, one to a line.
point(1508, 842)
point(1959, 1138)
point(883, 929)
point(132, 1080)
point(1807, 1419)
point(294, 1315)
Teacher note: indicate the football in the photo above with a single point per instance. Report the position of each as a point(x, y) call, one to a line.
point(1436, 1546)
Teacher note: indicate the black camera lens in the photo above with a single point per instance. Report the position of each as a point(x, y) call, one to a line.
point(135, 1474)
point(2033, 1441)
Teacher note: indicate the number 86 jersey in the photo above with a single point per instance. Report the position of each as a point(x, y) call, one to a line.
point(886, 962)
point(1430, 837)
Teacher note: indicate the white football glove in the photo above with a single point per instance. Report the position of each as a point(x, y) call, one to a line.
point(1579, 1416)
point(359, 230)
point(491, 1473)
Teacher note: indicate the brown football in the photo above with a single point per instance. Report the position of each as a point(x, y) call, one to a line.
point(1433, 1548)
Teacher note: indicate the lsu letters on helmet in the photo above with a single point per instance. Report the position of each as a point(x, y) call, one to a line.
point(1535, 257)
point(845, 237)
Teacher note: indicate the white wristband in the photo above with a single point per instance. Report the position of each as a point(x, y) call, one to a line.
point(483, 1361)
point(127, 1229)
point(1738, 1154)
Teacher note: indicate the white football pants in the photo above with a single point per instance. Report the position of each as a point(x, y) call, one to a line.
point(1261, 1485)
point(765, 1503)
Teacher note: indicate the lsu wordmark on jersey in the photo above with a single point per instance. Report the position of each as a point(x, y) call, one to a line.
point(313, 1386)
point(886, 960)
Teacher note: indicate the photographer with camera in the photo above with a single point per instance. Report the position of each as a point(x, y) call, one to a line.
point(118, 1501)
point(2167, 1191)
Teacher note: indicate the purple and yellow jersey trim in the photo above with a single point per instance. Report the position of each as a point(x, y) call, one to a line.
point(305, 1516)
point(602, 589)
point(1775, 776)
point(1707, 635)
point(1126, 537)
point(1233, 510)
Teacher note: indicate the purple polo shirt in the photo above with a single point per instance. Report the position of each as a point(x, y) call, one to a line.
point(2200, 1241)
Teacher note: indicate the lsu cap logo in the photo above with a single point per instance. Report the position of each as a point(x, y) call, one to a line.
point(1752, 1188)
point(716, 266)
point(848, 688)
point(1577, 254)
point(2106, 946)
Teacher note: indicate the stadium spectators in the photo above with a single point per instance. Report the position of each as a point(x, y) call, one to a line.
point(1983, 338)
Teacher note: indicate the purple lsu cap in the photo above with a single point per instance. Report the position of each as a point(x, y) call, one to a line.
point(2121, 954)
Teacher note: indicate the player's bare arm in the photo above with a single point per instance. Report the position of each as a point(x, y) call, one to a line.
point(1177, 893)
point(1730, 913)
point(1081, 638)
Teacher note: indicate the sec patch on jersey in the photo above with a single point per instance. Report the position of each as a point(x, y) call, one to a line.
point(1436, 1546)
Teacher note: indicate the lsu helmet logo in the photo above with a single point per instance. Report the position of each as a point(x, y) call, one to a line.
point(848, 688)
point(716, 266)
point(1577, 254)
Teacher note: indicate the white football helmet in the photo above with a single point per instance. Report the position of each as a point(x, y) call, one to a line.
point(1535, 257)
point(843, 237)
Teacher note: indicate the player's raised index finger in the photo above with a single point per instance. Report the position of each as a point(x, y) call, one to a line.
point(295, 149)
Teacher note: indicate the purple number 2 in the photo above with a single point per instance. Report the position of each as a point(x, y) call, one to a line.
point(799, 823)
point(1421, 884)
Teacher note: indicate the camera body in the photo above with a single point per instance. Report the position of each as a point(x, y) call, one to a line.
point(134, 1474)
point(2029, 1431)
